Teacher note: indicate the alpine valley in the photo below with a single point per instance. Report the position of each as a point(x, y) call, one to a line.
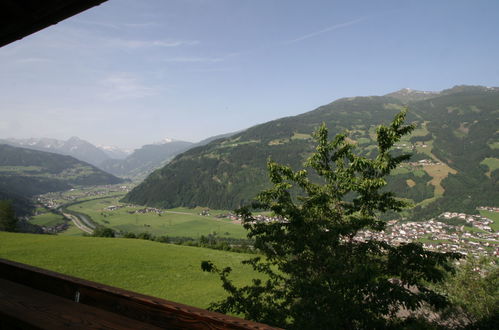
point(25, 173)
point(455, 148)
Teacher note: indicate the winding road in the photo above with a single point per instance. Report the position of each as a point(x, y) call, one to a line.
point(81, 222)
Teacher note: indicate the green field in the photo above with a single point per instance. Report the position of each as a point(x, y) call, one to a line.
point(494, 216)
point(47, 219)
point(176, 222)
point(72, 230)
point(162, 270)
point(491, 163)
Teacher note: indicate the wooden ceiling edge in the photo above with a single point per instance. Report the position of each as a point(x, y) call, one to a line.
point(28, 27)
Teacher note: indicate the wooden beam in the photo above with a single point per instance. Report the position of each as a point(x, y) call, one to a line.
point(20, 18)
point(147, 309)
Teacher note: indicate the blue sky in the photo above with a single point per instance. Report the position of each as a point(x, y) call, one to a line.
point(130, 72)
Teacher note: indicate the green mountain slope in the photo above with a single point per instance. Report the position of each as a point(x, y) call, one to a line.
point(26, 172)
point(457, 132)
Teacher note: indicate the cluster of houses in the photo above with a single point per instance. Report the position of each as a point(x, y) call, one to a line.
point(205, 213)
point(488, 208)
point(410, 145)
point(424, 162)
point(55, 229)
point(114, 207)
point(440, 236)
point(147, 210)
point(435, 235)
point(258, 218)
point(48, 201)
point(477, 221)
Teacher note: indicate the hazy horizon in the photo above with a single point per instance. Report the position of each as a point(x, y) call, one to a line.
point(128, 73)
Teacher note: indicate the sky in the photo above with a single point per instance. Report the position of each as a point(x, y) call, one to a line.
point(132, 72)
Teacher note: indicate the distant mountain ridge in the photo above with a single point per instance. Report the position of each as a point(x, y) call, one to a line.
point(455, 165)
point(27, 172)
point(142, 161)
point(136, 164)
point(145, 159)
point(409, 95)
point(74, 146)
point(114, 152)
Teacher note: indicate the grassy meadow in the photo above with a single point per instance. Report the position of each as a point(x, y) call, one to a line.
point(47, 219)
point(162, 270)
point(175, 222)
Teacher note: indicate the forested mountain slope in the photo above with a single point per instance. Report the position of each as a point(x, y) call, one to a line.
point(26, 172)
point(454, 166)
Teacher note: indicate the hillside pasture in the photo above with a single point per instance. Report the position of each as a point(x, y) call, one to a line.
point(438, 173)
point(162, 270)
point(491, 163)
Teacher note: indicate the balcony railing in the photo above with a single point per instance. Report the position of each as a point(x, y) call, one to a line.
point(35, 298)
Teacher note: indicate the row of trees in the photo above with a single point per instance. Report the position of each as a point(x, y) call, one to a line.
point(210, 241)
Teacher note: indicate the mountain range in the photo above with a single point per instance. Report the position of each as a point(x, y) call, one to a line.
point(27, 172)
point(135, 164)
point(455, 147)
point(74, 146)
point(145, 159)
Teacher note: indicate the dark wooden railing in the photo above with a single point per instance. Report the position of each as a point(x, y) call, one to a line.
point(34, 298)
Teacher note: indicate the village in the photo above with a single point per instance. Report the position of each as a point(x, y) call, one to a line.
point(440, 235)
point(434, 234)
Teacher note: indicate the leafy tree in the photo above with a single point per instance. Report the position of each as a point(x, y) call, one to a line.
point(474, 293)
point(101, 231)
point(8, 220)
point(316, 273)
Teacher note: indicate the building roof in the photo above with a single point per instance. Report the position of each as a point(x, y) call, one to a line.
point(20, 18)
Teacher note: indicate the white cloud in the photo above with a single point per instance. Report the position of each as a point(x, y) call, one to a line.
point(328, 29)
point(120, 86)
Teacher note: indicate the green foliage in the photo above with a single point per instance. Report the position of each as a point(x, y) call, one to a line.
point(211, 241)
point(8, 220)
point(474, 293)
point(22, 205)
point(103, 232)
point(317, 273)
